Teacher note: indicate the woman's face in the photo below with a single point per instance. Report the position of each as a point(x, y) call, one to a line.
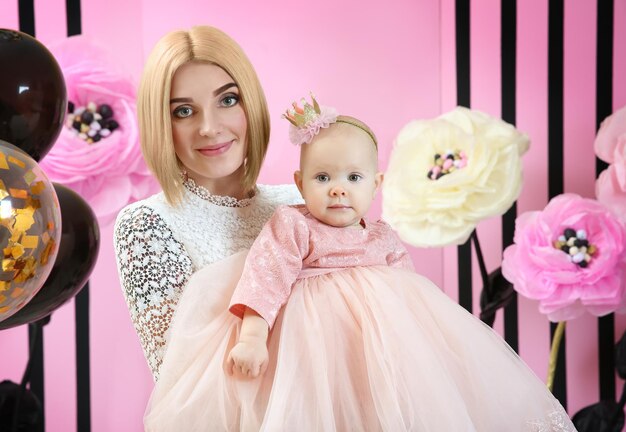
point(208, 124)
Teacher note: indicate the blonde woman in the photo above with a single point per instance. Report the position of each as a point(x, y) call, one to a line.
point(204, 133)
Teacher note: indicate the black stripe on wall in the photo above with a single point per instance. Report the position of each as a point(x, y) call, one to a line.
point(36, 378)
point(555, 98)
point(83, 385)
point(555, 149)
point(604, 107)
point(508, 50)
point(462, 23)
point(74, 21)
point(81, 302)
point(26, 12)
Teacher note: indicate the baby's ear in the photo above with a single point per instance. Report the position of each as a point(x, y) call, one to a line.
point(378, 179)
point(297, 178)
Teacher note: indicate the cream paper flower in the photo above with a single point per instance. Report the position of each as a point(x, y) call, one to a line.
point(430, 206)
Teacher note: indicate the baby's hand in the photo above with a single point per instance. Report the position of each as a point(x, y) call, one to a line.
point(249, 357)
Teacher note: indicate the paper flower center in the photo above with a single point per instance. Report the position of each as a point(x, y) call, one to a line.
point(91, 123)
point(449, 162)
point(576, 245)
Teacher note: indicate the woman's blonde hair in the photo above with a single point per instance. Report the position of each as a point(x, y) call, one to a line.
point(204, 44)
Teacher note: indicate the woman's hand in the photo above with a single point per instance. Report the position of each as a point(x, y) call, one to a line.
point(249, 357)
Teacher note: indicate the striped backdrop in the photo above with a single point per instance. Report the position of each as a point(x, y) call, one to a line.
point(552, 68)
point(555, 68)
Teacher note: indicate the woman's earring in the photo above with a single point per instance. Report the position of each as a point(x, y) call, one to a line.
point(184, 175)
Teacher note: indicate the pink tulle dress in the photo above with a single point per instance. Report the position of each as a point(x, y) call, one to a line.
point(358, 342)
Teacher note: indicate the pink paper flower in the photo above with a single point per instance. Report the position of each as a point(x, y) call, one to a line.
point(610, 146)
point(611, 184)
point(612, 132)
point(542, 265)
point(108, 172)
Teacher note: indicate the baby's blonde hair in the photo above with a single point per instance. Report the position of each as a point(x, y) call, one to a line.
point(201, 44)
point(359, 124)
point(343, 119)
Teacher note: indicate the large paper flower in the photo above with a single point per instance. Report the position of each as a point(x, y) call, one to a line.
point(98, 153)
point(611, 184)
point(571, 257)
point(446, 175)
point(612, 132)
point(610, 146)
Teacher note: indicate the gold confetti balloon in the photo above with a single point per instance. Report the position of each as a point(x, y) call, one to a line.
point(30, 228)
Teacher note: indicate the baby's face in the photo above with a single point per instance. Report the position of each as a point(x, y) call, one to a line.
point(338, 175)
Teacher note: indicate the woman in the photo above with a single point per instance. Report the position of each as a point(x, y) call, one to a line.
point(204, 129)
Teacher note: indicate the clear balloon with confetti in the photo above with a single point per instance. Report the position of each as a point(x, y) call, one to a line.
point(30, 228)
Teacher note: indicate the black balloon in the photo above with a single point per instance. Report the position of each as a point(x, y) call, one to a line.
point(30, 412)
point(604, 416)
point(33, 97)
point(78, 251)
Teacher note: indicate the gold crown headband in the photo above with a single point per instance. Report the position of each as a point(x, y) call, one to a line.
point(307, 121)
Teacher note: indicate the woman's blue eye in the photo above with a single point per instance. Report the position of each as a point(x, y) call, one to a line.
point(354, 177)
point(230, 100)
point(322, 178)
point(183, 111)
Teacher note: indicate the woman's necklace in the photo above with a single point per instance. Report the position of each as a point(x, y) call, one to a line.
point(218, 200)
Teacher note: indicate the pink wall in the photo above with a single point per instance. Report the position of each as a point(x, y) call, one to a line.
point(532, 115)
point(384, 65)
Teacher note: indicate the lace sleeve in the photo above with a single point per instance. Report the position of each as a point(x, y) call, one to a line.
point(154, 268)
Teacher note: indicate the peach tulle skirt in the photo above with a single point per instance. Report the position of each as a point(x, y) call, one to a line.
point(359, 349)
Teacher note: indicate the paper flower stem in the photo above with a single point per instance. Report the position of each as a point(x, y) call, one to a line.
point(481, 264)
point(554, 353)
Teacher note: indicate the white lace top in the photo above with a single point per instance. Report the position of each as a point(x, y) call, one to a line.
point(158, 247)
